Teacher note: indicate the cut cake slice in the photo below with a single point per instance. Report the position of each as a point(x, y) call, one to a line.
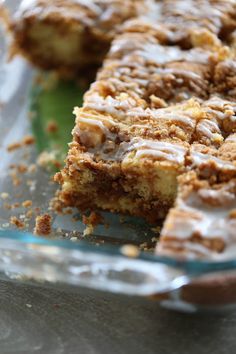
point(134, 132)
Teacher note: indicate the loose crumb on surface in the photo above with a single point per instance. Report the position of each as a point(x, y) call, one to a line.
point(14, 146)
point(91, 221)
point(32, 168)
point(16, 181)
point(29, 214)
point(27, 203)
point(47, 159)
point(20, 168)
point(4, 196)
point(130, 251)
point(43, 225)
point(144, 246)
point(27, 140)
point(74, 239)
point(88, 230)
point(52, 126)
point(17, 222)
point(15, 205)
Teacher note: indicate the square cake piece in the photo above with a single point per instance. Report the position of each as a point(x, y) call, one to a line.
point(134, 133)
point(68, 35)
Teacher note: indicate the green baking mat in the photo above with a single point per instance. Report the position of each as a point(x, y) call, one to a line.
point(51, 105)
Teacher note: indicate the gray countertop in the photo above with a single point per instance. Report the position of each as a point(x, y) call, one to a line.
point(35, 320)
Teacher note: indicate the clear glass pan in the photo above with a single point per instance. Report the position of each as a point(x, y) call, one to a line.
point(61, 262)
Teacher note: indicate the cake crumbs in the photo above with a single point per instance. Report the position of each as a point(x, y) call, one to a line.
point(27, 204)
point(20, 168)
point(4, 196)
point(32, 168)
point(14, 146)
point(7, 206)
point(47, 159)
point(15, 205)
point(17, 222)
point(43, 225)
point(29, 214)
point(26, 141)
point(16, 181)
point(130, 251)
point(88, 230)
point(91, 221)
point(52, 126)
point(74, 239)
point(143, 246)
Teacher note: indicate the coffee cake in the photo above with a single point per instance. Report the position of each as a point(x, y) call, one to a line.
point(150, 105)
point(155, 136)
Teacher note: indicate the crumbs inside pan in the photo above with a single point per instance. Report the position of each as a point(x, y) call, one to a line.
point(28, 195)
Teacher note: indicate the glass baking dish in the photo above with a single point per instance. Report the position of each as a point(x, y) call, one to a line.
point(104, 260)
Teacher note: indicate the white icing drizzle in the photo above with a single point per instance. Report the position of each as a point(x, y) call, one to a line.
point(94, 123)
point(231, 138)
point(221, 109)
point(128, 48)
point(113, 106)
point(163, 54)
point(165, 114)
point(92, 132)
point(159, 150)
point(125, 109)
point(179, 72)
point(27, 5)
point(211, 222)
point(199, 158)
point(204, 219)
point(208, 128)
